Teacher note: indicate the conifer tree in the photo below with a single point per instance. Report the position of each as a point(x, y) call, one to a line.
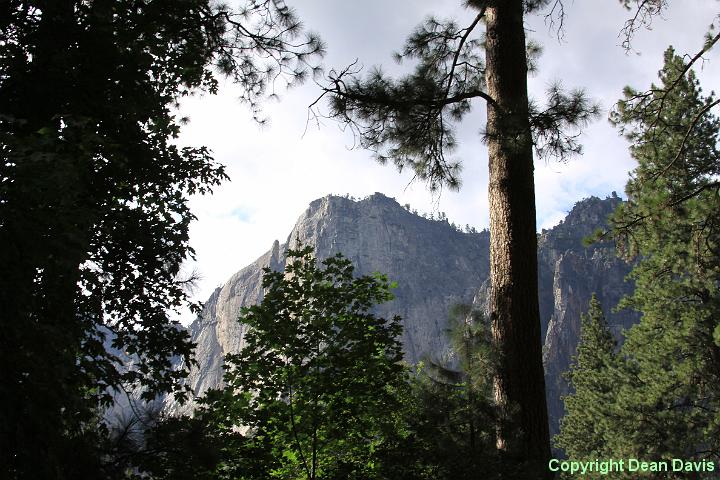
point(584, 428)
point(671, 223)
point(471, 341)
point(411, 122)
point(449, 415)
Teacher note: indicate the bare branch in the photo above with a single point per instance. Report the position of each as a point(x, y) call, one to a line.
point(645, 11)
point(556, 11)
point(463, 39)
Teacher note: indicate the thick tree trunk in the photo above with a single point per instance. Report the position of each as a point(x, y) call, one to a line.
point(519, 384)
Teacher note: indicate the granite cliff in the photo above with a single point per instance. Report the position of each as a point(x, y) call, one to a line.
point(436, 266)
point(569, 273)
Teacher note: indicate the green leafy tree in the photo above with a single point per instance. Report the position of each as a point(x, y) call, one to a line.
point(671, 224)
point(318, 379)
point(93, 201)
point(411, 122)
point(585, 428)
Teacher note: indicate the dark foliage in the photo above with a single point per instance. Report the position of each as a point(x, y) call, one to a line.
point(411, 121)
point(93, 201)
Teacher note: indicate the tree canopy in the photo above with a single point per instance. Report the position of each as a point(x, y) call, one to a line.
point(93, 200)
point(319, 377)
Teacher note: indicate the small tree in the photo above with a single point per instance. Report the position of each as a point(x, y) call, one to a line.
point(318, 376)
point(449, 415)
point(472, 431)
point(582, 430)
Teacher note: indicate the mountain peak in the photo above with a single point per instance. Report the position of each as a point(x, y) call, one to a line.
point(593, 210)
point(586, 216)
point(436, 267)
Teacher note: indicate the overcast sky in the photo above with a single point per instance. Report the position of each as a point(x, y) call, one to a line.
point(277, 170)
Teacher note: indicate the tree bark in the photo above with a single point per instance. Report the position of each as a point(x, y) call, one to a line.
point(519, 384)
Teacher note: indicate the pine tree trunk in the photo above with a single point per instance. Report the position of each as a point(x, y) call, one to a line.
point(519, 384)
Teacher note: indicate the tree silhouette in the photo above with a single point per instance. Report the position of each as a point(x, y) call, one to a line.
point(93, 201)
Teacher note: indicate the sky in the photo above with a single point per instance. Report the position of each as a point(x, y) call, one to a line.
point(278, 169)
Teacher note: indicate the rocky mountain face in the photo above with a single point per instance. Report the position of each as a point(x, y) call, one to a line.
point(569, 273)
point(435, 266)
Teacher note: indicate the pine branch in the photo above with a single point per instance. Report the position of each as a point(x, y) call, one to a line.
point(680, 151)
point(463, 39)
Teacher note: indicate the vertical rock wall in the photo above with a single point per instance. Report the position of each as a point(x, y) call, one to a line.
point(435, 266)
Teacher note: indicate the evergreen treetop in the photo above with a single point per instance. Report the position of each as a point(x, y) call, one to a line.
point(583, 430)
